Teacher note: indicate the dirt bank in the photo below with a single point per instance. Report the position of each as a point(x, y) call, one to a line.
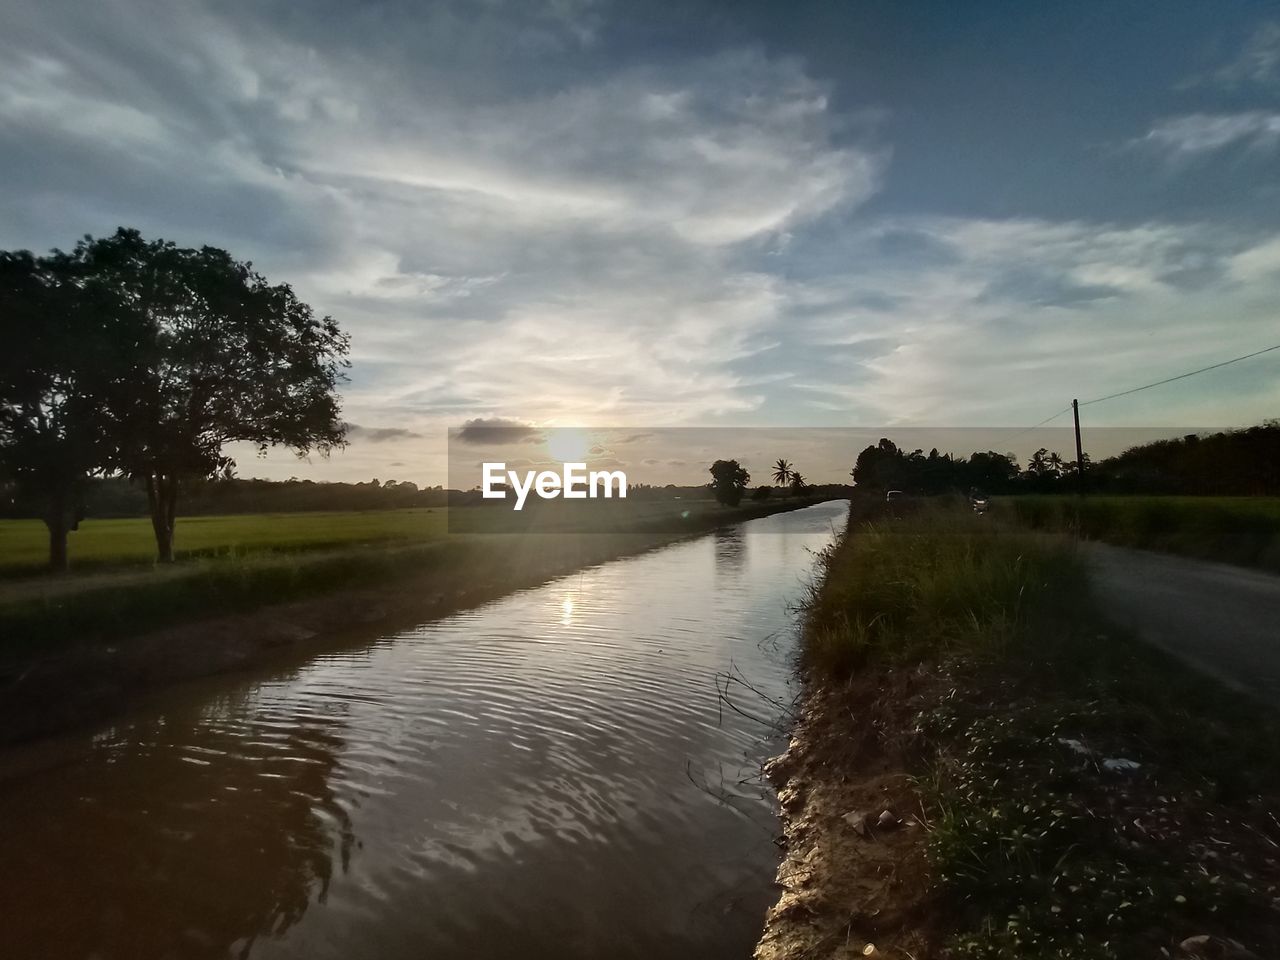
point(1084, 795)
point(854, 877)
point(878, 864)
point(88, 680)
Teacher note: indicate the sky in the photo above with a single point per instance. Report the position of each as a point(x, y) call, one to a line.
point(881, 215)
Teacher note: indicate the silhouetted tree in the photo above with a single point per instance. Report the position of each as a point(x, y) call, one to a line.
point(886, 467)
point(729, 480)
point(782, 471)
point(67, 346)
point(1243, 462)
point(798, 482)
point(225, 357)
point(879, 466)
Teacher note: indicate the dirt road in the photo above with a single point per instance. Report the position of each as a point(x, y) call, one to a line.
point(1222, 619)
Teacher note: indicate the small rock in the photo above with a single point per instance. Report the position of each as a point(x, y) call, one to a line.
point(858, 820)
point(1075, 746)
point(790, 799)
point(1120, 765)
point(1206, 947)
point(887, 820)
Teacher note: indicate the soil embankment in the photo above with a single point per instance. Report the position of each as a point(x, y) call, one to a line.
point(855, 876)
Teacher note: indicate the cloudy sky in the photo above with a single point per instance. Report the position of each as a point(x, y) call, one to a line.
point(583, 212)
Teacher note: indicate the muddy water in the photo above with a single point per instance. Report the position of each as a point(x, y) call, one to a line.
point(551, 775)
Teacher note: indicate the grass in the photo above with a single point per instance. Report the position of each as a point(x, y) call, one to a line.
point(1239, 530)
point(104, 544)
point(236, 564)
point(1038, 848)
point(24, 544)
point(937, 582)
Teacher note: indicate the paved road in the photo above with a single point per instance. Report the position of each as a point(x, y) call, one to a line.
point(1222, 619)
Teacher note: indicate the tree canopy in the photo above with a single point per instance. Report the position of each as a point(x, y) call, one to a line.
point(67, 355)
point(145, 358)
point(729, 480)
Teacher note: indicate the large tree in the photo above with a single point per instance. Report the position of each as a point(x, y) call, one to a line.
point(729, 481)
point(225, 357)
point(67, 348)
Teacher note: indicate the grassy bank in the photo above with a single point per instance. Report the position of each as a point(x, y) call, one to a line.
point(1239, 530)
point(1077, 794)
point(237, 564)
point(114, 543)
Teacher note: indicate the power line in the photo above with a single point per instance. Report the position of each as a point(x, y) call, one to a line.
point(1037, 425)
point(1158, 383)
point(1181, 376)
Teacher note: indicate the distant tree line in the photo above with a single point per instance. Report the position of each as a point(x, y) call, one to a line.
point(141, 359)
point(1243, 462)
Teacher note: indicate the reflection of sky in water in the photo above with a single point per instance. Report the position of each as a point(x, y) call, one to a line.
point(551, 771)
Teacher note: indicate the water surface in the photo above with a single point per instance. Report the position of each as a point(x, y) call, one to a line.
point(551, 775)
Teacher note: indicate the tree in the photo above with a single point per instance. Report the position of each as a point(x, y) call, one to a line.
point(879, 466)
point(225, 357)
point(66, 352)
point(798, 483)
point(729, 480)
point(782, 471)
point(1039, 465)
point(991, 471)
point(762, 493)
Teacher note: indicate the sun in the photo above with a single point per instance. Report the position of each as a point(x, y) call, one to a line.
point(568, 444)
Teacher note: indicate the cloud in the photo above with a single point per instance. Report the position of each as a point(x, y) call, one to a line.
point(1202, 133)
point(521, 219)
point(1257, 63)
point(357, 432)
point(1028, 313)
point(495, 431)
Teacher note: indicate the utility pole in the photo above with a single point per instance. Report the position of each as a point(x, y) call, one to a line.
point(1075, 412)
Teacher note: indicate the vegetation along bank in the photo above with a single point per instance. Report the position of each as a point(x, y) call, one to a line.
point(984, 769)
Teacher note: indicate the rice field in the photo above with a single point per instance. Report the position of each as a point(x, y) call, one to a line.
point(100, 543)
point(1239, 530)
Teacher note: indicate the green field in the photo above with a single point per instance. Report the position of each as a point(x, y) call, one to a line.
point(99, 544)
point(1239, 530)
point(24, 544)
point(238, 563)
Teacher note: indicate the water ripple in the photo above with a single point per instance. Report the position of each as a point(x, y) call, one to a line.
point(548, 775)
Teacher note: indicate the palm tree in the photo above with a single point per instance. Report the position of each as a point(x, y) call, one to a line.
point(782, 471)
point(798, 482)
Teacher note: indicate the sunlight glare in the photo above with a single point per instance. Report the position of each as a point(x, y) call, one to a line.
point(568, 444)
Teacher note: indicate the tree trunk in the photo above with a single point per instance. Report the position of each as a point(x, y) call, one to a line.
point(58, 522)
point(162, 499)
point(57, 525)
